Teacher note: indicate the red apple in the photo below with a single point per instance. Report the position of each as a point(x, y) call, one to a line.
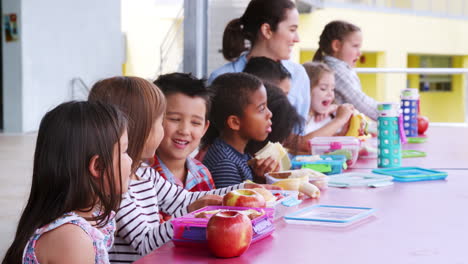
point(423, 124)
point(244, 198)
point(229, 234)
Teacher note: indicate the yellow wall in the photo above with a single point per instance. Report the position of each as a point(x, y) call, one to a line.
point(442, 106)
point(445, 106)
point(392, 36)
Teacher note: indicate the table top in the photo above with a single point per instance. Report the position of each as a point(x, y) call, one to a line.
point(416, 222)
point(446, 148)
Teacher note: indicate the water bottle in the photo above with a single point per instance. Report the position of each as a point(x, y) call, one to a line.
point(410, 109)
point(388, 135)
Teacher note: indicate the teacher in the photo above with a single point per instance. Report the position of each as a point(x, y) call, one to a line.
point(271, 28)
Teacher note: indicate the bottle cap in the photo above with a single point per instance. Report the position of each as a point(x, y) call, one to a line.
point(410, 94)
point(389, 109)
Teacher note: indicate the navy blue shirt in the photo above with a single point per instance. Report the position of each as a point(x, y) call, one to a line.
point(227, 165)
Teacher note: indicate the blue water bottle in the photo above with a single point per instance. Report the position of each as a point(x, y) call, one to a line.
point(389, 140)
point(410, 108)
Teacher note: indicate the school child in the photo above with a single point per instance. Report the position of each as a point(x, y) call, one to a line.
point(340, 48)
point(185, 122)
point(81, 168)
point(322, 90)
point(271, 71)
point(139, 230)
point(286, 122)
point(238, 115)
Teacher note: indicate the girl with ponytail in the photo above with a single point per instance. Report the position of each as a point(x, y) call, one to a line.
point(340, 48)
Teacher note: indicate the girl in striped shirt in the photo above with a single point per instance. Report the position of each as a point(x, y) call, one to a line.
point(139, 230)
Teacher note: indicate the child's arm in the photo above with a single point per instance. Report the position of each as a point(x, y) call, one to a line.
point(175, 200)
point(138, 223)
point(349, 89)
point(65, 244)
point(343, 114)
point(139, 226)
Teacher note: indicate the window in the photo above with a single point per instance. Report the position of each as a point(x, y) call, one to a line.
point(431, 82)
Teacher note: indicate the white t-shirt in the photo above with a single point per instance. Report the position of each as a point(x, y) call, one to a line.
point(311, 125)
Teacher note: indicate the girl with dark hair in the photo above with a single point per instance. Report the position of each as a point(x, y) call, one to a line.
point(340, 48)
point(239, 114)
point(285, 118)
point(139, 230)
point(81, 168)
point(271, 28)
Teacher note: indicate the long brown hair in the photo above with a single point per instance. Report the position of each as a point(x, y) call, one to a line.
point(335, 30)
point(69, 136)
point(140, 100)
point(246, 27)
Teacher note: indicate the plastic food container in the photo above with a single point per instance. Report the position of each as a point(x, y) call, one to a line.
point(330, 215)
point(282, 195)
point(347, 146)
point(191, 231)
point(328, 164)
point(320, 182)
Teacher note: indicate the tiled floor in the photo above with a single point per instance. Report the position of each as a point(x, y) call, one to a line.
point(16, 156)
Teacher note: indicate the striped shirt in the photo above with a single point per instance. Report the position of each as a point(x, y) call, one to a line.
point(138, 228)
point(227, 165)
point(348, 88)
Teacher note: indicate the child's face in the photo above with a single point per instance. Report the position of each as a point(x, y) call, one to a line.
point(125, 163)
point(184, 126)
point(255, 124)
point(154, 139)
point(283, 39)
point(285, 85)
point(350, 48)
point(323, 93)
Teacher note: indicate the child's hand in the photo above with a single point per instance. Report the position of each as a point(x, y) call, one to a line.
point(262, 166)
point(344, 112)
point(206, 200)
point(163, 217)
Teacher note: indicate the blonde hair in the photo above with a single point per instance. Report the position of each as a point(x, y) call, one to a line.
point(315, 70)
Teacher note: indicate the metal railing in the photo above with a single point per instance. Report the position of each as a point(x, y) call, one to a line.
point(414, 70)
point(451, 8)
point(79, 89)
point(170, 55)
point(428, 71)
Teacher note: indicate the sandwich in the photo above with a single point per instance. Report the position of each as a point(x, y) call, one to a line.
point(277, 152)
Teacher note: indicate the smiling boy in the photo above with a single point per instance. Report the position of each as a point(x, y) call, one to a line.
point(188, 102)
